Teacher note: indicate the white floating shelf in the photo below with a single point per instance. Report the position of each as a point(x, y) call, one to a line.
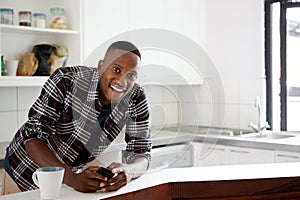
point(22, 81)
point(28, 29)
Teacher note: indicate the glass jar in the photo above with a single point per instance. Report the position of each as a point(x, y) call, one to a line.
point(58, 19)
point(7, 16)
point(25, 18)
point(39, 20)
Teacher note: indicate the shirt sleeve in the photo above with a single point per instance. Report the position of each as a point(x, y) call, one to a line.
point(44, 112)
point(137, 132)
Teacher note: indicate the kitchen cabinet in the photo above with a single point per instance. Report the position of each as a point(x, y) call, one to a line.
point(286, 156)
point(16, 40)
point(179, 155)
point(242, 155)
point(159, 66)
point(210, 155)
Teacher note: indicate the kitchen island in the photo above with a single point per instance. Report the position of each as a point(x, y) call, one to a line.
point(257, 181)
point(251, 181)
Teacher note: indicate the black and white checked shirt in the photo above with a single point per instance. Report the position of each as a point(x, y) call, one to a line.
point(65, 116)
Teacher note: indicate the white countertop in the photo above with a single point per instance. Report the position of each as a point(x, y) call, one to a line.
point(232, 172)
point(212, 173)
point(165, 137)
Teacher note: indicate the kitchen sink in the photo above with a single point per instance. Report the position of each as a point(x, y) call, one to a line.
point(279, 135)
point(268, 135)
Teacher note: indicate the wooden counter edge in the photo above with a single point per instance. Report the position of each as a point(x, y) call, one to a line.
point(249, 189)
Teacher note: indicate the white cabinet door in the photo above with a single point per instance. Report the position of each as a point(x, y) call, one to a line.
point(161, 63)
point(188, 19)
point(242, 155)
point(171, 156)
point(101, 21)
point(210, 155)
point(286, 156)
point(146, 14)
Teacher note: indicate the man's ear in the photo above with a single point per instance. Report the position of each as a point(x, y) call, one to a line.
point(100, 65)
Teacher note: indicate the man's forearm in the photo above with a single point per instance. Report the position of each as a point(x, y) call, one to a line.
point(42, 155)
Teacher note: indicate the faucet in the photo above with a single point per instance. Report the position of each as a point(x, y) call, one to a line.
point(261, 124)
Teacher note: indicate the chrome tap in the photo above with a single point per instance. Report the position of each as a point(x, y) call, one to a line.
point(261, 124)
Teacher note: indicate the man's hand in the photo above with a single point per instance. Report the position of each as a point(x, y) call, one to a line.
point(120, 179)
point(87, 181)
point(124, 173)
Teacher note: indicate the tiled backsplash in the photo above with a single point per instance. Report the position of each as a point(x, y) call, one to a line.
point(164, 103)
point(14, 105)
point(238, 103)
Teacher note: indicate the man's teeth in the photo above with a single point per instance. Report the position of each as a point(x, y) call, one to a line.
point(117, 89)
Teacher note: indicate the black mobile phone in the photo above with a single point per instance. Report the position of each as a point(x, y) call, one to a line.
point(105, 172)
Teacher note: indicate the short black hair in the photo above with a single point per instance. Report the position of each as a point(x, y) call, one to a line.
point(126, 46)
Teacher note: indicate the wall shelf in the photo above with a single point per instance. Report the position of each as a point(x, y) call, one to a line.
point(27, 29)
point(22, 81)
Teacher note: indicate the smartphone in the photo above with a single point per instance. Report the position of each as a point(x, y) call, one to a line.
point(105, 172)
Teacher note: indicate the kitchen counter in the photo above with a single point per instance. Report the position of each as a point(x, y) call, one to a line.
point(212, 175)
point(214, 136)
point(264, 179)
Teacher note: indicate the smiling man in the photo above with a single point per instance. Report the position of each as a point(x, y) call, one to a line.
point(79, 112)
point(119, 72)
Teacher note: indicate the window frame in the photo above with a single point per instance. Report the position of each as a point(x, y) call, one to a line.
point(284, 5)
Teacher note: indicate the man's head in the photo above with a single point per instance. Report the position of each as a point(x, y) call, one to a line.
point(118, 71)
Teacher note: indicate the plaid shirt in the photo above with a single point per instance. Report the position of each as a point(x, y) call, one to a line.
point(65, 117)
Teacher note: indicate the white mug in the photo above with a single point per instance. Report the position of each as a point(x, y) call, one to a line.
point(11, 67)
point(49, 180)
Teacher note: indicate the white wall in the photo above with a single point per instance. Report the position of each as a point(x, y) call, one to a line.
point(235, 43)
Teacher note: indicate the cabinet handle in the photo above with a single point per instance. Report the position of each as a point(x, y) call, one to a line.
point(218, 149)
point(238, 151)
point(287, 156)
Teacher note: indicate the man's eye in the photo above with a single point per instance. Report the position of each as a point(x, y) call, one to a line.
point(116, 69)
point(132, 76)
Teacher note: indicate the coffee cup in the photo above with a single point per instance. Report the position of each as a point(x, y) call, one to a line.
point(11, 67)
point(49, 180)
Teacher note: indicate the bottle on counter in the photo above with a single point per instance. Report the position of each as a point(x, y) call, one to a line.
point(25, 18)
point(39, 20)
point(3, 71)
point(7, 16)
point(58, 20)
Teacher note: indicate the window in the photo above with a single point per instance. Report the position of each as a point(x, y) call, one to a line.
point(282, 42)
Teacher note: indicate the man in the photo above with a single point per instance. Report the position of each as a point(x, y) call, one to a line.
point(79, 112)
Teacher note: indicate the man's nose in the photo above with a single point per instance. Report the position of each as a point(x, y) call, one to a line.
point(122, 81)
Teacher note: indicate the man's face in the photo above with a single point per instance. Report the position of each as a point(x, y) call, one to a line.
point(118, 73)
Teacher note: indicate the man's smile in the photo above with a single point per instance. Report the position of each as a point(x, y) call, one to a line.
point(118, 89)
